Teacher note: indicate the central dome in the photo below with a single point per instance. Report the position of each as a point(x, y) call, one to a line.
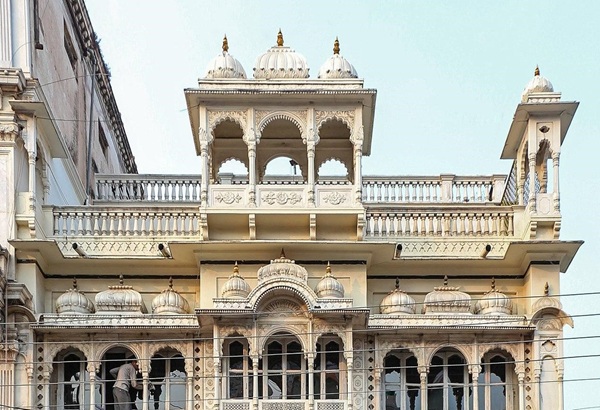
point(280, 62)
point(225, 66)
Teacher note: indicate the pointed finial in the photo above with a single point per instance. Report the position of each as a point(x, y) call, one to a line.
point(282, 256)
point(279, 39)
point(236, 269)
point(493, 283)
point(74, 283)
point(121, 279)
point(336, 46)
point(537, 71)
point(225, 44)
point(328, 269)
point(445, 280)
point(171, 282)
point(547, 289)
point(397, 283)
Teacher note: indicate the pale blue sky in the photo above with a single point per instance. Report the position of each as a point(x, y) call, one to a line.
point(449, 76)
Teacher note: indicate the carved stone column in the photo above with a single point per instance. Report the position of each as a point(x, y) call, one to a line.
point(556, 191)
point(521, 378)
point(358, 171)
point(5, 34)
point(91, 369)
point(255, 392)
point(475, 370)
point(310, 152)
point(531, 199)
point(251, 172)
point(423, 374)
point(349, 375)
point(310, 358)
point(204, 160)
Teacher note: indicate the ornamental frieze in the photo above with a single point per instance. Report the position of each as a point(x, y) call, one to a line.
point(347, 117)
point(228, 198)
point(216, 117)
point(335, 198)
point(281, 198)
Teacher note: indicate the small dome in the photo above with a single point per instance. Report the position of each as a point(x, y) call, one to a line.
point(280, 268)
point(224, 65)
point(537, 84)
point(280, 62)
point(546, 301)
point(119, 299)
point(329, 287)
point(494, 303)
point(337, 66)
point(170, 302)
point(447, 300)
point(397, 301)
point(73, 301)
point(236, 287)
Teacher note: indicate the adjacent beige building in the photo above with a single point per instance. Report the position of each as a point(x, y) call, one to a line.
point(281, 278)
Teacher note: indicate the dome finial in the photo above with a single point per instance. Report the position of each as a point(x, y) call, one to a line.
point(282, 256)
point(279, 39)
point(74, 283)
point(493, 283)
point(121, 279)
point(171, 282)
point(547, 289)
point(328, 269)
point(397, 283)
point(445, 280)
point(537, 71)
point(236, 269)
point(225, 44)
point(336, 46)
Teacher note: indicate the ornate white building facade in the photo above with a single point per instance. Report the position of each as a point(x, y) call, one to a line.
point(260, 291)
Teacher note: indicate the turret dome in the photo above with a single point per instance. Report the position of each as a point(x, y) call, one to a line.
point(537, 84)
point(224, 66)
point(546, 301)
point(280, 62)
point(494, 302)
point(73, 301)
point(236, 287)
point(447, 300)
point(329, 287)
point(170, 302)
point(397, 301)
point(120, 299)
point(282, 268)
point(337, 66)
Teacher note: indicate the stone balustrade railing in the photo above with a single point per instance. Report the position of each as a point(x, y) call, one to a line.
point(116, 222)
point(375, 189)
point(492, 221)
point(442, 189)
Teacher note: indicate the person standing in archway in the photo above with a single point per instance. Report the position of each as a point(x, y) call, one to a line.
point(126, 376)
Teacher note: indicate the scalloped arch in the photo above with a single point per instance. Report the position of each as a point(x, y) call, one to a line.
point(241, 160)
point(284, 329)
point(467, 355)
point(68, 348)
point(283, 115)
point(276, 156)
point(344, 118)
point(332, 158)
point(154, 348)
point(135, 350)
point(504, 348)
point(302, 290)
point(219, 117)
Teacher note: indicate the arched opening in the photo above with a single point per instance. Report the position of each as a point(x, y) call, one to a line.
point(69, 382)
point(228, 144)
point(334, 153)
point(333, 170)
point(402, 388)
point(497, 384)
point(168, 379)
point(232, 171)
point(281, 139)
point(283, 369)
point(112, 360)
point(548, 383)
point(448, 381)
point(329, 369)
point(239, 381)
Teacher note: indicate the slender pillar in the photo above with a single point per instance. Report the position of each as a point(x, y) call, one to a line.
point(521, 377)
point(255, 392)
point(556, 192)
point(310, 358)
point(423, 375)
point(475, 370)
point(205, 173)
point(5, 34)
point(350, 368)
point(310, 152)
point(252, 172)
point(91, 369)
point(531, 199)
point(145, 390)
point(561, 402)
point(358, 172)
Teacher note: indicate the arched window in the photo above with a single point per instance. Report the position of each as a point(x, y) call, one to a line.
point(239, 380)
point(284, 369)
point(448, 382)
point(402, 382)
point(329, 380)
point(69, 377)
point(497, 385)
point(168, 378)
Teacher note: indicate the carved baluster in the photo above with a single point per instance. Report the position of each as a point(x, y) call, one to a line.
point(135, 216)
point(112, 225)
point(503, 225)
point(431, 224)
point(511, 229)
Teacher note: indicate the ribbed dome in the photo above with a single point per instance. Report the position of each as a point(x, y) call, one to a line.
point(397, 301)
point(280, 62)
point(494, 303)
point(337, 66)
point(119, 299)
point(447, 299)
point(236, 287)
point(224, 65)
point(546, 301)
point(537, 84)
point(73, 301)
point(329, 287)
point(170, 302)
point(280, 268)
